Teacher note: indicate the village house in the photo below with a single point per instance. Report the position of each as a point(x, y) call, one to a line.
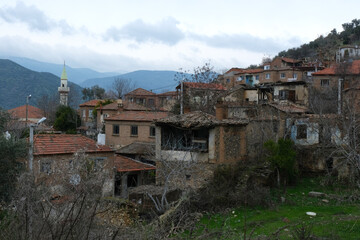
point(19, 114)
point(202, 141)
point(131, 173)
point(112, 109)
point(86, 113)
point(131, 126)
point(161, 102)
point(56, 158)
point(199, 96)
point(337, 85)
point(142, 97)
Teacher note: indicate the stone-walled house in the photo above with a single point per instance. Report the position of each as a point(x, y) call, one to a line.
point(131, 126)
point(57, 156)
point(131, 173)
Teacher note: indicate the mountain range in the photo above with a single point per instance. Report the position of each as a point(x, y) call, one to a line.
point(18, 82)
point(76, 75)
point(158, 81)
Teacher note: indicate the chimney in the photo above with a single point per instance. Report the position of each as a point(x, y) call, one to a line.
point(221, 110)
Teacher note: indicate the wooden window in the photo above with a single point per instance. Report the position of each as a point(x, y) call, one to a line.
point(116, 129)
point(267, 76)
point(152, 131)
point(134, 130)
point(282, 75)
point(45, 167)
point(301, 131)
point(324, 82)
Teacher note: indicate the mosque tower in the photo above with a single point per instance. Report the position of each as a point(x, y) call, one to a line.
point(64, 89)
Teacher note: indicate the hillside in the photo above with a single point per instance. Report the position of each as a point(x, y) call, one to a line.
point(76, 75)
point(158, 81)
point(323, 48)
point(17, 82)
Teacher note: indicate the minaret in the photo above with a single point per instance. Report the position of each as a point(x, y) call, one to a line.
point(64, 89)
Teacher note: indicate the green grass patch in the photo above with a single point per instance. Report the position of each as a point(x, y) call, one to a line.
point(336, 219)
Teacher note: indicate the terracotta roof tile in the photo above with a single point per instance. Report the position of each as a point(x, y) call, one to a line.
point(45, 144)
point(212, 86)
point(140, 91)
point(91, 103)
point(290, 60)
point(139, 116)
point(110, 106)
point(124, 164)
point(234, 70)
point(20, 112)
point(131, 106)
point(352, 68)
point(171, 93)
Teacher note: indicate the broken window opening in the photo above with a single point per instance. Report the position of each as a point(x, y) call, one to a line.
point(45, 167)
point(301, 131)
point(184, 140)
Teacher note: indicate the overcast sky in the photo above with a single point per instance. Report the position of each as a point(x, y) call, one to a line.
point(117, 35)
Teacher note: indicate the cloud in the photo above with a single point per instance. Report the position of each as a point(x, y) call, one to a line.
point(34, 18)
point(246, 42)
point(165, 31)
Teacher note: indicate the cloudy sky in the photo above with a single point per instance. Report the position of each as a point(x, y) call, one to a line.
point(119, 35)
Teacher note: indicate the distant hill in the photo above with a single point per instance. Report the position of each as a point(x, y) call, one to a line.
point(76, 75)
point(158, 81)
point(17, 82)
point(324, 48)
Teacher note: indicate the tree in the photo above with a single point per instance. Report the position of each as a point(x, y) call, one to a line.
point(122, 86)
point(67, 119)
point(95, 92)
point(201, 74)
point(48, 104)
point(282, 158)
point(11, 150)
point(203, 98)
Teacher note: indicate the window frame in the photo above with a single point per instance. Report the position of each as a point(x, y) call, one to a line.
point(267, 76)
point(115, 126)
point(282, 75)
point(324, 82)
point(134, 132)
point(152, 132)
point(301, 131)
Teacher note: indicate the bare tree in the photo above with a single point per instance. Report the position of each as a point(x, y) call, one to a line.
point(37, 212)
point(122, 86)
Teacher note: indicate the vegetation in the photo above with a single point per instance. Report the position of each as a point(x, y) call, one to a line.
point(337, 216)
point(11, 149)
point(95, 92)
point(324, 47)
point(282, 158)
point(67, 120)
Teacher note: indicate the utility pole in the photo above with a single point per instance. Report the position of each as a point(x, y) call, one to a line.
point(27, 104)
point(182, 97)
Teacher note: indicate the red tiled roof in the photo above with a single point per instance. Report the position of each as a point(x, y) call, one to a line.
point(131, 106)
point(257, 70)
point(290, 60)
point(45, 144)
point(139, 116)
point(352, 68)
point(110, 106)
point(124, 164)
point(20, 112)
point(234, 70)
point(91, 103)
point(171, 93)
point(212, 86)
point(141, 92)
